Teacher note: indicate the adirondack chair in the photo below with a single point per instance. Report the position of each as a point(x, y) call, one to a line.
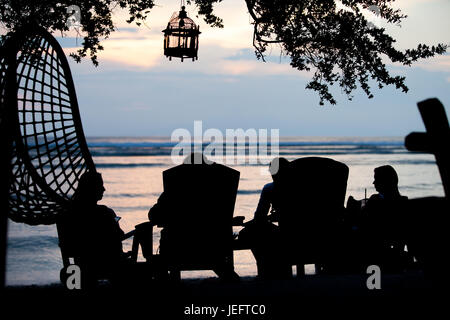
point(198, 218)
point(427, 227)
point(312, 201)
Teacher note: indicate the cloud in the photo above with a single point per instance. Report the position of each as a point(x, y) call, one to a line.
point(212, 61)
point(413, 3)
point(436, 64)
point(141, 48)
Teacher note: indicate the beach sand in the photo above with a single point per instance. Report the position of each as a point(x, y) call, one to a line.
point(319, 294)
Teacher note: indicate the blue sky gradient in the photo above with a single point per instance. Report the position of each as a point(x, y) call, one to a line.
point(136, 91)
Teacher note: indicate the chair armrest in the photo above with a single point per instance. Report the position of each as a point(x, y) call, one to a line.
point(128, 235)
point(143, 237)
point(273, 217)
point(142, 226)
point(238, 221)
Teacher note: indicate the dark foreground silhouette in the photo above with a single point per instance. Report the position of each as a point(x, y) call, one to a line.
point(261, 234)
point(196, 213)
point(32, 193)
point(375, 232)
point(308, 224)
point(90, 235)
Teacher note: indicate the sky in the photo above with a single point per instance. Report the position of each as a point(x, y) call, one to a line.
point(137, 91)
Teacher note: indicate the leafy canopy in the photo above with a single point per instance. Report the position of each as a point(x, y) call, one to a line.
point(333, 39)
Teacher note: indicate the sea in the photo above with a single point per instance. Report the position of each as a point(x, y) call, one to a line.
point(132, 172)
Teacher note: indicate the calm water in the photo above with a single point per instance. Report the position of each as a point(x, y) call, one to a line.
point(132, 171)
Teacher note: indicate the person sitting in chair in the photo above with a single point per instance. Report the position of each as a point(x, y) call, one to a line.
point(177, 209)
point(384, 216)
point(268, 200)
point(96, 230)
point(261, 234)
point(158, 215)
point(379, 230)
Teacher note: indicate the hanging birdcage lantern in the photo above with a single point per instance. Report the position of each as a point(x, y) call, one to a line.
point(181, 37)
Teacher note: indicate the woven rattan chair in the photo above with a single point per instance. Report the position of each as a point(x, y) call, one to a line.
point(49, 151)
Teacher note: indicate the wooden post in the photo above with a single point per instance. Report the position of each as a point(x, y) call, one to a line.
point(3, 202)
point(436, 140)
point(8, 90)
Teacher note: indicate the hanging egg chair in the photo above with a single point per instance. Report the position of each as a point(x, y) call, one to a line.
point(39, 116)
point(181, 37)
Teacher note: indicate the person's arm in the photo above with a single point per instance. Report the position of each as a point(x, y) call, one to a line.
point(156, 213)
point(264, 203)
point(115, 223)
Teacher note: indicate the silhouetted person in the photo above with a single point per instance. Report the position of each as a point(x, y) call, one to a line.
point(386, 183)
point(96, 229)
point(196, 211)
point(261, 234)
point(269, 198)
point(160, 213)
point(382, 222)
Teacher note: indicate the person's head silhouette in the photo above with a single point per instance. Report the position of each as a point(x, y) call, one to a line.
point(386, 181)
point(278, 165)
point(90, 188)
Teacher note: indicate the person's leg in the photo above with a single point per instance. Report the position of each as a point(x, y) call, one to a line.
point(227, 273)
point(270, 255)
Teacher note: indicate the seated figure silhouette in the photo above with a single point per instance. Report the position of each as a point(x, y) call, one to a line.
point(384, 219)
point(261, 234)
point(91, 232)
point(381, 222)
point(269, 198)
point(196, 212)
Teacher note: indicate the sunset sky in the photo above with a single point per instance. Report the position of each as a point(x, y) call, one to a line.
point(136, 91)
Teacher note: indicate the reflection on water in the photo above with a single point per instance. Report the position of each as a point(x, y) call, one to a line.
point(133, 184)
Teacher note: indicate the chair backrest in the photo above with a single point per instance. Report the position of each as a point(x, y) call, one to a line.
point(312, 195)
point(202, 199)
point(67, 241)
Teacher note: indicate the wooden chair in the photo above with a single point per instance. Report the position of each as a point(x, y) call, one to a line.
point(312, 195)
point(427, 230)
point(198, 218)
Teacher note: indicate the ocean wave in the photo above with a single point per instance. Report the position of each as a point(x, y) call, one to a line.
point(131, 152)
point(166, 143)
point(422, 186)
point(131, 195)
point(124, 147)
point(247, 192)
point(129, 165)
point(119, 209)
point(282, 150)
point(414, 162)
point(331, 152)
point(32, 242)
